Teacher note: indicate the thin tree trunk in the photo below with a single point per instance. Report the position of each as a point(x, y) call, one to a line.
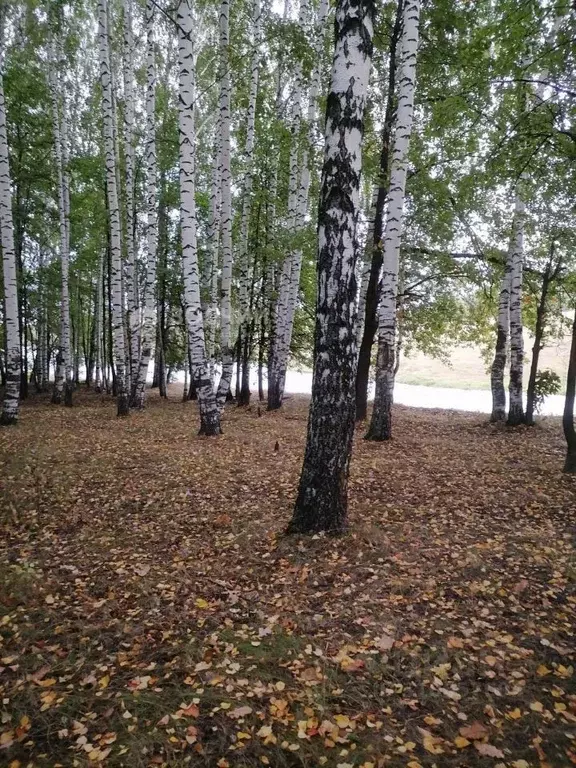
point(226, 178)
point(499, 363)
point(11, 400)
point(139, 387)
point(130, 270)
point(370, 322)
point(64, 381)
point(538, 345)
point(568, 416)
point(381, 423)
point(209, 412)
point(321, 504)
point(99, 324)
point(113, 213)
point(516, 409)
point(290, 270)
point(244, 261)
point(211, 270)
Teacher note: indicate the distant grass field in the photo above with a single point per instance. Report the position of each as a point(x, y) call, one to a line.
point(467, 369)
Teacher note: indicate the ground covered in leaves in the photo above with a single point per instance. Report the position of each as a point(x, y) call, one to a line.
point(153, 613)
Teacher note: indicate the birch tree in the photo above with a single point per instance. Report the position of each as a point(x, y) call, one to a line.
point(118, 335)
point(209, 412)
point(63, 381)
point(245, 266)
point(516, 408)
point(11, 400)
point(368, 299)
point(321, 504)
point(280, 343)
point(499, 363)
point(226, 209)
point(128, 136)
point(381, 422)
point(148, 326)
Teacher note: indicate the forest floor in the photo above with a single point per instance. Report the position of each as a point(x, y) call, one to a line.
point(152, 612)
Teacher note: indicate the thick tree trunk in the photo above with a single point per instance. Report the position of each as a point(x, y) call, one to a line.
point(139, 385)
point(568, 417)
point(121, 378)
point(11, 400)
point(381, 422)
point(370, 322)
point(516, 408)
point(321, 504)
point(209, 412)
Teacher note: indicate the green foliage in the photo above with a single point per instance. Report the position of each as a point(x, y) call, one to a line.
point(547, 383)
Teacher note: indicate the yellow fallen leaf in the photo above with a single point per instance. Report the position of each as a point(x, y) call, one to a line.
point(559, 706)
point(543, 670)
point(103, 682)
point(431, 720)
point(47, 683)
point(432, 745)
point(342, 721)
point(243, 735)
point(514, 714)
point(461, 742)
point(520, 764)
point(201, 603)
point(536, 706)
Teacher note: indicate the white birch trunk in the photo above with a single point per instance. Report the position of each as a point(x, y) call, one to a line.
point(63, 384)
point(226, 222)
point(130, 270)
point(42, 322)
point(381, 423)
point(148, 326)
point(516, 407)
point(211, 271)
point(321, 504)
point(244, 263)
point(502, 333)
point(299, 182)
point(11, 400)
point(113, 210)
point(99, 324)
point(209, 413)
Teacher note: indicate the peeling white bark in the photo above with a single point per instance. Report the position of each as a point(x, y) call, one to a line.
point(209, 413)
point(380, 426)
point(149, 325)
point(11, 401)
point(113, 210)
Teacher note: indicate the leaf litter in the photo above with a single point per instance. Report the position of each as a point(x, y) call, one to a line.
point(154, 614)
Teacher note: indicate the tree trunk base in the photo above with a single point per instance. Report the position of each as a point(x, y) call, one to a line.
point(497, 417)
point(570, 463)
point(68, 390)
point(515, 417)
point(210, 428)
point(123, 405)
point(56, 398)
point(380, 429)
point(8, 421)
